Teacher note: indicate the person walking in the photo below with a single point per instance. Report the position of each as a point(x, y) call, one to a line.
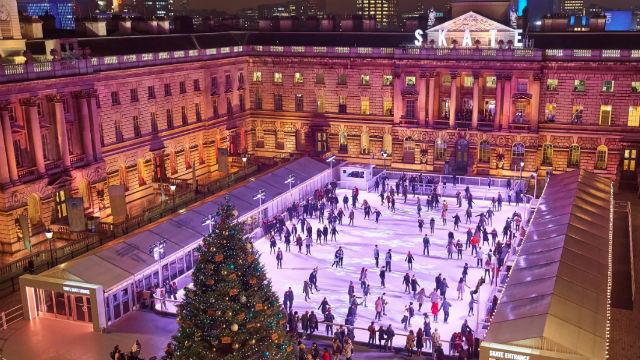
point(306, 288)
point(409, 259)
point(299, 243)
point(427, 331)
point(287, 303)
point(383, 274)
point(420, 298)
point(279, 258)
point(460, 288)
point(378, 308)
point(348, 349)
point(337, 348)
point(308, 243)
point(376, 255)
point(419, 342)
point(351, 217)
point(432, 225)
point(411, 343)
point(446, 305)
point(414, 285)
point(425, 245)
point(406, 281)
point(387, 260)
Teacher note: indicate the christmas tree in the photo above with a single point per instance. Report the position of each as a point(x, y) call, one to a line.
point(231, 311)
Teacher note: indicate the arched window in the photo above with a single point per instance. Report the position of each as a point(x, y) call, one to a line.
point(33, 209)
point(601, 157)
point(122, 175)
point(343, 143)
point(484, 152)
point(574, 155)
point(547, 154)
point(517, 151)
point(364, 142)
point(173, 163)
point(85, 192)
point(441, 149)
point(387, 143)
point(409, 144)
point(409, 150)
point(141, 172)
point(187, 158)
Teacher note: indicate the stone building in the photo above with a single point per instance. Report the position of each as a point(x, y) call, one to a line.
point(145, 111)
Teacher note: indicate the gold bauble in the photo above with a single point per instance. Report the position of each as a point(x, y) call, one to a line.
point(235, 346)
point(234, 327)
point(252, 341)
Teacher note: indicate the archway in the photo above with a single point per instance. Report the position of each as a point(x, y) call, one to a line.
point(462, 155)
point(33, 209)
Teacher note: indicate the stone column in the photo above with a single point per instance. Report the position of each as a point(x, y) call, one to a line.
point(61, 129)
point(398, 85)
point(432, 98)
point(7, 137)
point(31, 108)
point(506, 105)
point(476, 100)
point(83, 112)
point(453, 99)
point(4, 165)
point(422, 98)
point(498, 112)
point(535, 101)
point(95, 124)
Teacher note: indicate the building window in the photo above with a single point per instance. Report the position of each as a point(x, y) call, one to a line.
point(601, 157)
point(133, 95)
point(299, 103)
point(320, 103)
point(257, 100)
point(320, 78)
point(11, 113)
point(410, 109)
point(607, 86)
point(574, 156)
point(196, 85)
point(547, 154)
point(467, 81)
point(342, 79)
point(605, 115)
point(446, 80)
point(169, 119)
point(257, 76)
point(115, 100)
point(277, 78)
point(277, 102)
point(484, 152)
point(634, 116)
point(118, 130)
point(491, 81)
point(550, 112)
point(387, 80)
point(151, 92)
point(629, 160)
point(517, 151)
point(441, 149)
point(576, 114)
point(240, 80)
point(154, 123)
point(552, 84)
point(298, 78)
point(364, 80)
point(241, 103)
point(364, 105)
point(635, 87)
point(229, 107)
point(387, 107)
point(321, 142)
point(183, 87)
point(342, 104)
point(214, 85)
point(46, 147)
point(214, 107)
point(522, 86)
point(198, 112)
point(184, 117)
point(228, 86)
point(137, 132)
point(167, 89)
point(579, 85)
point(410, 81)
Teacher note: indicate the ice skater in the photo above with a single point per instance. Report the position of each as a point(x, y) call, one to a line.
point(279, 258)
point(409, 259)
point(387, 260)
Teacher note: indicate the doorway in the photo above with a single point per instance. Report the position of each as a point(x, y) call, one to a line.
point(62, 305)
point(462, 156)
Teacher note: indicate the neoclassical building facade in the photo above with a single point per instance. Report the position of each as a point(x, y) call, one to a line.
point(71, 128)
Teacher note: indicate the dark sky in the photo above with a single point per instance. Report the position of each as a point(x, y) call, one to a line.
point(348, 6)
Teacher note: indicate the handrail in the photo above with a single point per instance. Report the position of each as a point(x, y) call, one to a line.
point(11, 316)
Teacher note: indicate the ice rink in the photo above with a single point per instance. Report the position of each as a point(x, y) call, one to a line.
point(396, 231)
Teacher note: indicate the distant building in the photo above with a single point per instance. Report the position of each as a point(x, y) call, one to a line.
point(385, 12)
point(62, 10)
point(158, 8)
point(572, 6)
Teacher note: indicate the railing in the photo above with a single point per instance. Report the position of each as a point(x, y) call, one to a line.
point(11, 316)
point(77, 159)
point(27, 173)
point(82, 66)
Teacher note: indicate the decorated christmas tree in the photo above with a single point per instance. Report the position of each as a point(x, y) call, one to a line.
point(231, 311)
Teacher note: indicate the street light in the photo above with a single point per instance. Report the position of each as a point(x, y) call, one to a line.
point(157, 251)
point(49, 235)
point(245, 157)
point(209, 220)
point(172, 187)
point(384, 159)
point(521, 167)
point(259, 196)
point(331, 159)
point(290, 180)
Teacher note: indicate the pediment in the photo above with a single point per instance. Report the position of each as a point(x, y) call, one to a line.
point(472, 22)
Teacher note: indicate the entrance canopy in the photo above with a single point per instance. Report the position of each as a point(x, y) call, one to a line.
point(555, 302)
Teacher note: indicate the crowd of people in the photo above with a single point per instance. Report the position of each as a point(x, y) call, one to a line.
point(327, 210)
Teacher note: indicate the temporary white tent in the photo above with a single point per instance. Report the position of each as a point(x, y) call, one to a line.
point(555, 303)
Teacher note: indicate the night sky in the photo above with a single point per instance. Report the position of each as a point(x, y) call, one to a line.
point(348, 6)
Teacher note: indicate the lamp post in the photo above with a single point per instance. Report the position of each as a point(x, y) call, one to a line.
point(49, 235)
point(521, 168)
point(245, 157)
point(290, 180)
point(172, 187)
point(384, 159)
point(331, 159)
point(259, 196)
point(157, 251)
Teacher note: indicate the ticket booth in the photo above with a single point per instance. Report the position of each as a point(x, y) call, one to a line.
point(356, 175)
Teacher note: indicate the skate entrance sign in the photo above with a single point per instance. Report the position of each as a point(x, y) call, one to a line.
point(498, 354)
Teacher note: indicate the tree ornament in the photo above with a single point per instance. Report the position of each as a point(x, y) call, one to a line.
point(234, 327)
point(228, 314)
point(259, 306)
point(219, 258)
point(251, 258)
point(233, 292)
point(210, 282)
point(274, 336)
point(211, 312)
point(265, 354)
point(243, 299)
point(235, 346)
point(226, 340)
point(223, 272)
point(252, 341)
point(252, 281)
point(241, 316)
point(231, 266)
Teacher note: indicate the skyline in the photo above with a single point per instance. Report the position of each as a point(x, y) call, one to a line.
point(347, 7)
